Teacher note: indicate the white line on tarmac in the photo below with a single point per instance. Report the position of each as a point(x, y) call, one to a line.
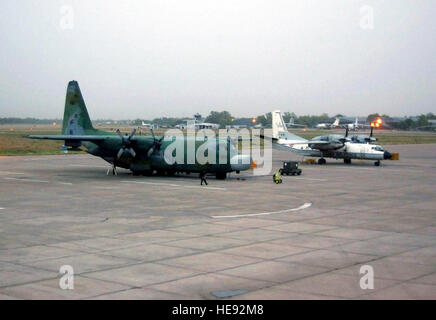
point(173, 185)
point(36, 180)
point(9, 172)
point(204, 187)
point(302, 207)
point(312, 179)
point(88, 166)
point(106, 188)
point(2, 208)
point(26, 180)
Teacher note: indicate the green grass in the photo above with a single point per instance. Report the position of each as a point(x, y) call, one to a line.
point(14, 143)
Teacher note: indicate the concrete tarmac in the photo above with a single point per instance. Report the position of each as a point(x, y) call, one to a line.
point(155, 237)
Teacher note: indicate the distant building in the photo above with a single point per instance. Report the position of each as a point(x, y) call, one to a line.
point(197, 124)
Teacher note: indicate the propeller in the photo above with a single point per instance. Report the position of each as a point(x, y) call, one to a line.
point(371, 138)
point(126, 144)
point(156, 144)
point(345, 138)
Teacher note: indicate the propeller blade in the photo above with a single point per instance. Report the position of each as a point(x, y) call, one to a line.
point(152, 134)
point(120, 153)
point(372, 129)
point(132, 133)
point(346, 132)
point(150, 152)
point(132, 152)
point(119, 133)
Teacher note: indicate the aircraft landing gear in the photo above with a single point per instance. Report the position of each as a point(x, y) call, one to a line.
point(377, 163)
point(347, 161)
point(322, 161)
point(114, 170)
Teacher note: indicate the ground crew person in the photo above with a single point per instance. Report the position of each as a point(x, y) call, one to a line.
point(203, 177)
point(277, 177)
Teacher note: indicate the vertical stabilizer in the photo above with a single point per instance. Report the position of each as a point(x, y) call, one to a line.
point(278, 124)
point(279, 129)
point(76, 119)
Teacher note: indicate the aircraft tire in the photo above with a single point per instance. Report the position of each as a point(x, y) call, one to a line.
point(377, 163)
point(322, 161)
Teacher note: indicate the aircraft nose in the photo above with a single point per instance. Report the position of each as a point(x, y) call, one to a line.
point(241, 162)
point(387, 155)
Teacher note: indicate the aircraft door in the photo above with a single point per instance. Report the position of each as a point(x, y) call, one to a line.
point(362, 152)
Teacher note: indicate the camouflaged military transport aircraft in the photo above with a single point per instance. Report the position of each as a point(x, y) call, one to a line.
point(140, 154)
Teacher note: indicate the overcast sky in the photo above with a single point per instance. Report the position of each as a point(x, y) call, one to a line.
point(146, 59)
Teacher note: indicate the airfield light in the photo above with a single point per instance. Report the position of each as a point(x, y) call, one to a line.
point(253, 120)
point(379, 120)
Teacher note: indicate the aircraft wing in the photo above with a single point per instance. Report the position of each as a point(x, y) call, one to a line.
point(310, 153)
point(279, 146)
point(71, 137)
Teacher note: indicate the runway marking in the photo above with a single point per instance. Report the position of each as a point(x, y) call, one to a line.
point(302, 207)
point(26, 180)
point(312, 179)
point(173, 185)
point(9, 172)
point(36, 180)
point(88, 166)
point(204, 187)
point(106, 188)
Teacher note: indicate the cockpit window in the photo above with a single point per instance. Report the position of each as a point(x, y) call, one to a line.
point(378, 148)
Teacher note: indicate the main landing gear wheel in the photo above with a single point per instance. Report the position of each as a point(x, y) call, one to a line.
point(347, 161)
point(322, 161)
point(377, 163)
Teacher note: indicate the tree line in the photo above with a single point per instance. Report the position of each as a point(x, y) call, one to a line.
point(224, 118)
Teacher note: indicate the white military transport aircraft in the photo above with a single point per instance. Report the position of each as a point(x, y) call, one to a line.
point(326, 146)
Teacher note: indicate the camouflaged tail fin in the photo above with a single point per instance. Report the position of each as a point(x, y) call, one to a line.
point(76, 118)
